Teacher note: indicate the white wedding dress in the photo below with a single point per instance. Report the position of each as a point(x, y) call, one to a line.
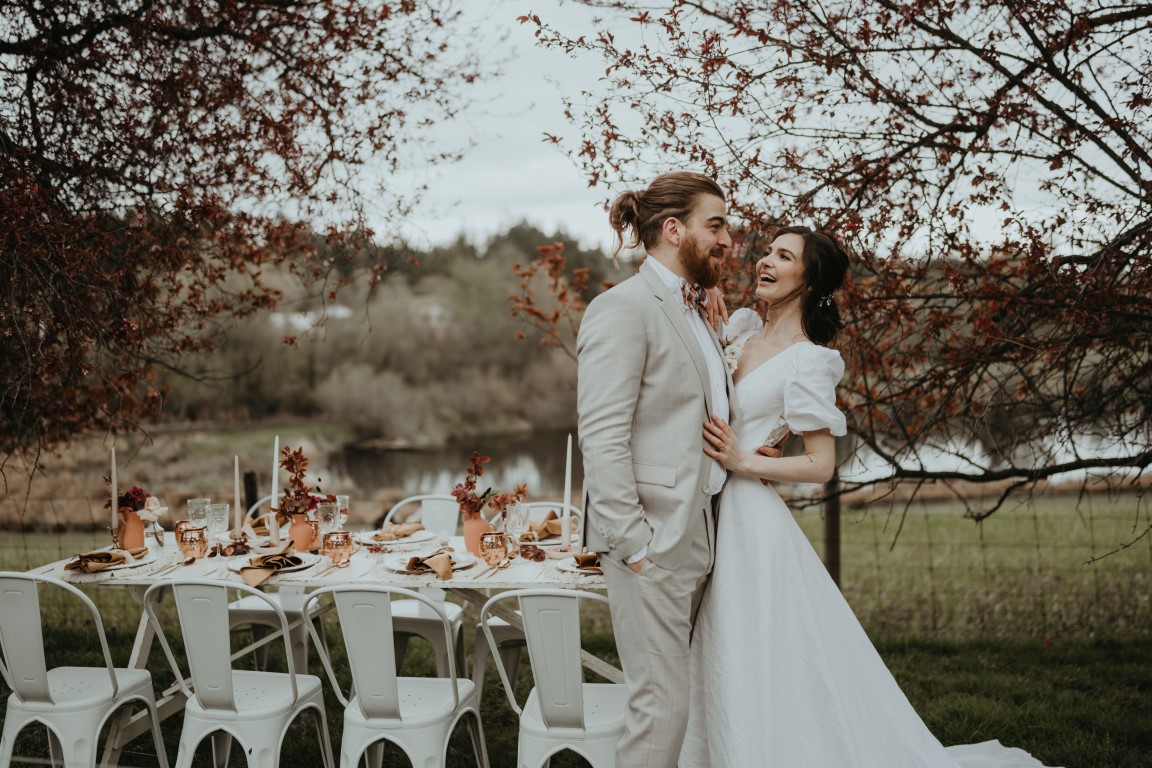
point(783, 675)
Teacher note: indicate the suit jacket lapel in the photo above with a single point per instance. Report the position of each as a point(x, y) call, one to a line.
point(674, 311)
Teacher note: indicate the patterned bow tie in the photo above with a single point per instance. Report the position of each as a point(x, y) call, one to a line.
point(694, 296)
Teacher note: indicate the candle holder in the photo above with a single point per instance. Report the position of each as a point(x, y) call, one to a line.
point(115, 532)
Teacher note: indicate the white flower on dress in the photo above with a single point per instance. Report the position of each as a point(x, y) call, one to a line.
point(732, 351)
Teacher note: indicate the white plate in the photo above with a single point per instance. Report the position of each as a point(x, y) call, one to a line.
point(307, 561)
point(556, 540)
point(412, 538)
point(568, 564)
point(460, 560)
point(148, 558)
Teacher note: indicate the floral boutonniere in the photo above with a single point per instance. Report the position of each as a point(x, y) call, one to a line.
point(733, 349)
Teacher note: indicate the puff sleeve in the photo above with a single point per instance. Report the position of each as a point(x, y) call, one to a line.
point(810, 396)
point(741, 322)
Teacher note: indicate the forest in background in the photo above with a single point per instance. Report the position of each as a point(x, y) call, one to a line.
point(429, 354)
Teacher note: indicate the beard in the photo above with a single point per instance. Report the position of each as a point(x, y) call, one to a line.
point(699, 263)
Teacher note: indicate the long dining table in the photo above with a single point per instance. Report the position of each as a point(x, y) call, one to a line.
point(469, 583)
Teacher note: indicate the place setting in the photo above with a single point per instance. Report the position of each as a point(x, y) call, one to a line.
point(441, 563)
point(397, 535)
point(111, 560)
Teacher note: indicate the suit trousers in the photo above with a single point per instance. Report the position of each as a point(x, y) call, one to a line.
point(652, 616)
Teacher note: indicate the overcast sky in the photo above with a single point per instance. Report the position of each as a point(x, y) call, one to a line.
point(511, 174)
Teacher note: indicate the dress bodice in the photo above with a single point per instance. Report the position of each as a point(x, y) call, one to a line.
point(797, 385)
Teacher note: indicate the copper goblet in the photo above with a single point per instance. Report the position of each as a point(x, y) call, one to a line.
point(193, 541)
point(494, 547)
point(338, 546)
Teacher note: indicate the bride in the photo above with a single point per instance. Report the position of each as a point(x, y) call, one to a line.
point(783, 675)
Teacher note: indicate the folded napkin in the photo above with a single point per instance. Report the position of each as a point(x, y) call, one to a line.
point(259, 525)
point(393, 531)
point(550, 526)
point(261, 568)
point(94, 562)
point(439, 562)
point(589, 563)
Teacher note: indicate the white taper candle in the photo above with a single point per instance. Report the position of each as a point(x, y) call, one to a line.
point(115, 511)
point(236, 516)
point(565, 529)
point(273, 525)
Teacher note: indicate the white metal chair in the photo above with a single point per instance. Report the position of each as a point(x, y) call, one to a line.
point(561, 711)
point(73, 703)
point(510, 640)
point(248, 611)
point(417, 714)
point(439, 513)
point(255, 708)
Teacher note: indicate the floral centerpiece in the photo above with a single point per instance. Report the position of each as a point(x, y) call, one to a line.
point(472, 504)
point(299, 499)
point(135, 508)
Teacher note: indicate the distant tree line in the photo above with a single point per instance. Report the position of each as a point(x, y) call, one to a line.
point(427, 354)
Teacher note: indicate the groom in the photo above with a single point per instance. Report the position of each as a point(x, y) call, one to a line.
point(650, 374)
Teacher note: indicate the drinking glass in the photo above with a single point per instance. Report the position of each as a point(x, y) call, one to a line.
point(198, 512)
point(217, 521)
point(328, 515)
point(517, 524)
point(338, 546)
point(342, 505)
point(517, 519)
point(193, 542)
point(493, 547)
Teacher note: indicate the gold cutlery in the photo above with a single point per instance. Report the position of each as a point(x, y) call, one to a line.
point(498, 567)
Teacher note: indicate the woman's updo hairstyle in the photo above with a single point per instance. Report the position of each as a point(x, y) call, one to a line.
point(825, 266)
point(672, 195)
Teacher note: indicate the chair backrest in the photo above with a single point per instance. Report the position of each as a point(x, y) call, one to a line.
point(552, 628)
point(538, 510)
point(438, 511)
point(22, 660)
point(365, 614)
point(202, 608)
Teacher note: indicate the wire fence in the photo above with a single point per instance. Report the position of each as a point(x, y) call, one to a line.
point(1055, 566)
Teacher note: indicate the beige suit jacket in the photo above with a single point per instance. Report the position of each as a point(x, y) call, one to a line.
point(642, 399)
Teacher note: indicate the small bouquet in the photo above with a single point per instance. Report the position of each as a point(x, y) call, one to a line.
point(472, 503)
point(299, 497)
point(137, 500)
point(146, 508)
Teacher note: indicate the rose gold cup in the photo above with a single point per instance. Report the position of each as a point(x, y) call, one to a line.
point(494, 546)
point(193, 541)
point(338, 546)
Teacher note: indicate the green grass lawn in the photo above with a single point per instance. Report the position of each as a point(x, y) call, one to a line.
point(995, 631)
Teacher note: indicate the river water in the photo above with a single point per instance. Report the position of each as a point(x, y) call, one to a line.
point(536, 459)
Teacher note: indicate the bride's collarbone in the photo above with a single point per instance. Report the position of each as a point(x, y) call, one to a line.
point(759, 349)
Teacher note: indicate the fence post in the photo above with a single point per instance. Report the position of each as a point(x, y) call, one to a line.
point(832, 527)
point(251, 494)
